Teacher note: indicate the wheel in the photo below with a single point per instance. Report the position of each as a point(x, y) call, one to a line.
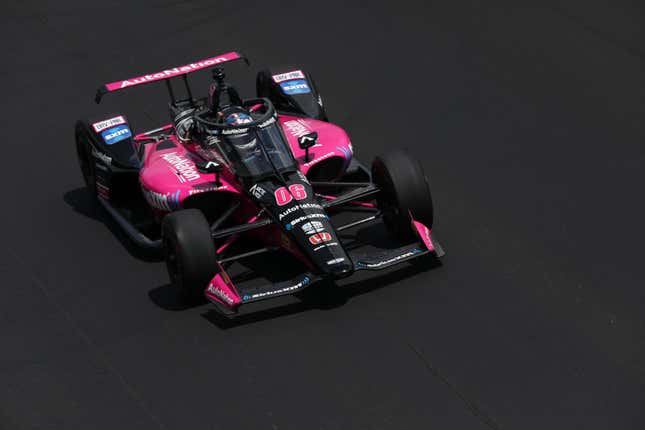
point(404, 190)
point(85, 158)
point(190, 253)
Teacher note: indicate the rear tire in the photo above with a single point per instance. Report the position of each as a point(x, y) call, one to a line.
point(85, 158)
point(404, 190)
point(190, 253)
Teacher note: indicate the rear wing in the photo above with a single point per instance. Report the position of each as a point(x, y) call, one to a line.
point(164, 75)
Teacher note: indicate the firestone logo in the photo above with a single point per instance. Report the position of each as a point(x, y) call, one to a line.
point(321, 158)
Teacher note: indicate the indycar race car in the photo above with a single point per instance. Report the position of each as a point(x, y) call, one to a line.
point(269, 171)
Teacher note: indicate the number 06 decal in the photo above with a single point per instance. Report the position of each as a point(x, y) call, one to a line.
point(284, 196)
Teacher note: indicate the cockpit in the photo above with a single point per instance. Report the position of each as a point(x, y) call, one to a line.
point(253, 144)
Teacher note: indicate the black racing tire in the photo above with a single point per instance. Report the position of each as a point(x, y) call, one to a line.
point(189, 252)
point(404, 189)
point(85, 158)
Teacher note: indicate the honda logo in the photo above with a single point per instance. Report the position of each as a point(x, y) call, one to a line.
point(318, 238)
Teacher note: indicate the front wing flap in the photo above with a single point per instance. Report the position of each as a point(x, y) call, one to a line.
point(228, 297)
point(383, 259)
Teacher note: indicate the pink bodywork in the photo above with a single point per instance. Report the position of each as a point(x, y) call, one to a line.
point(425, 234)
point(332, 141)
point(169, 176)
point(221, 289)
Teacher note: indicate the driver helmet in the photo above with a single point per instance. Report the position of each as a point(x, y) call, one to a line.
point(238, 118)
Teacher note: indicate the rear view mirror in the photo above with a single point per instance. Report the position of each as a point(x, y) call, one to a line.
point(306, 141)
point(209, 167)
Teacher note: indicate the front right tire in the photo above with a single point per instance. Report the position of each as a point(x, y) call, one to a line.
point(404, 191)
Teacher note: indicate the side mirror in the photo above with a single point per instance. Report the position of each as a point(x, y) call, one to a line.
point(211, 167)
point(306, 141)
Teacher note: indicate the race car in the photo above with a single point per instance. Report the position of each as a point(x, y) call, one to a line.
point(232, 179)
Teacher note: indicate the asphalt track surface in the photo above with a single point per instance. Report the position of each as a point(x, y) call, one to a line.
point(529, 122)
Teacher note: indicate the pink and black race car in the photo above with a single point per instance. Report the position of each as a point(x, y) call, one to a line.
point(231, 179)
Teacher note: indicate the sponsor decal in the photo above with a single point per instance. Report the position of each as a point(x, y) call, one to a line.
point(182, 166)
point(206, 189)
point(116, 134)
point(346, 150)
point(295, 87)
point(318, 238)
point(175, 71)
point(235, 131)
point(319, 159)
point(298, 220)
point(297, 127)
point(300, 284)
point(221, 294)
point(257, 191)
point(312, 227)
point(391, 260)
point(295, 74)
point(426, 231)
point(327, 245)
point(297, 191)
point(267, 123)
point(101, 156)
point(335, 261)
point(165, 202)
point(295, 208)
point(102, 125)
point(302, 177)
point(212, 140)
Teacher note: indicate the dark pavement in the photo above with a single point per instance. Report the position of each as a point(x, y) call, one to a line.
point(529, 122)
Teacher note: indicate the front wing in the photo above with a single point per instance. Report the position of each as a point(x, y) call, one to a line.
point(227, 296)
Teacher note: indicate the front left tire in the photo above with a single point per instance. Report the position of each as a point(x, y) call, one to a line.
point(190, 253)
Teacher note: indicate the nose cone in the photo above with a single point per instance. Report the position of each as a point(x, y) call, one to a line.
point(339, 267)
